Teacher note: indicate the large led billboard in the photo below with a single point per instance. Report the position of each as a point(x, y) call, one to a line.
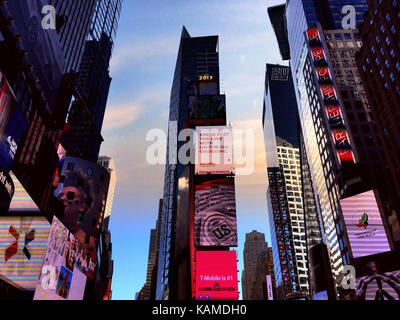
point(215, 212)
point(216, 275)
point(206, 110)
point(83, 188)
point(13, 124)
point(214, 150)
point(22, 248)
point(364, 225)
point(43, 45)
point(65, 267)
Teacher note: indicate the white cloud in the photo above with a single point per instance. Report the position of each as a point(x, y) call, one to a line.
point(121, 115)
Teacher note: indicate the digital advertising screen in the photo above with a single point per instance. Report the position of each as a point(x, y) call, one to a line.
point(43, 45)
point(22, 248)
point(65, 267)
point(13, 125)
point(83, 188)
point(216, 275)
point(215, 212)
point(7, 190)
point(364, 225)
point(206, 110)
point(214, 150)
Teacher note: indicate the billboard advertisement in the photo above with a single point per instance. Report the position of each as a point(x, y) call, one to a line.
point(21, 202)
point(215, 212)
point(364, 225)
point(214, 150)
point(13, 124)
point(22, 248)
point(378, 277)
point(206, 110)
point(42, 45)
point(83, 188)
point(66, 266)
point(216, 275)
point(270, 291)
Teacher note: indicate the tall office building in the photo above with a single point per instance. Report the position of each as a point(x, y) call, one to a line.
point(264, 286)
point(196, 57)
point(379, 65)
point(109, 164)
point(255, 247)
point(285, 169)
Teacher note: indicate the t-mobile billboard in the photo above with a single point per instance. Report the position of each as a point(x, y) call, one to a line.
point(215, 212)
point(364, 225)
point(216, 275)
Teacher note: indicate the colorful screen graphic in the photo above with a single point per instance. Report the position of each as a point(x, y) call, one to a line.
point(22, 248)
point(206, 110)
point(364, 225)
point(214, 150)
point(65, 268)
point(215, 212)
point(216, 275)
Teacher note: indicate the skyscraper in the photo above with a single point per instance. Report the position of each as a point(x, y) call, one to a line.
point(196, 57)
point(286, 180)
point(109, 164)
point(255, 255)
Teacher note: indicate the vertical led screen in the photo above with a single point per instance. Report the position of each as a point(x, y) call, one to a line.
point(43, 45)
point(65, 267)
point(83, 189)
point(215, 212)
point(22, 248)
point(330, 97)
point(364, 225)
point(216, 275)
point(214, 150)
point(13, 125)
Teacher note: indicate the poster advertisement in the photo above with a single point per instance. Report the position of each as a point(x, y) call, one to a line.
point(215, 212)
point(270, 291)
point(43, 45)
point(22, 248)
point(214, 150)
point(216, 275)
point(65, 268)
point(364, 225)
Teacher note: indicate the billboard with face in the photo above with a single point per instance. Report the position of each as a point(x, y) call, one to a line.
point(65, 267)
point(13, 124)
point(214, 150)
point(215, 212)
point(216, 275)
point(364, 225)
point(42, 45)
point(22, 248)
point(83, 188)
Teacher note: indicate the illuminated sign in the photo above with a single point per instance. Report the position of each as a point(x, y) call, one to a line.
point(270, 294)
point(216, 275)
point(206, 77)
point(206, 110)
point(364, 225)
point(214, 150)
point(22, 248)
point(65, 266)
point(215, 212)
point(330, 97)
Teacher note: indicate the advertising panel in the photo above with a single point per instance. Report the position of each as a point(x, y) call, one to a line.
point(378, 277)
point(6, 191)
point(13, 124)
point(364, 225)
point(214, 150)
point(22, 248)
point(216, 275)
point(270, 291)
point(21, 202)
point(329, 94)
point(206, 110)
point(83, 189)
point(65, 267)
point(42, 45)
point(215, 212)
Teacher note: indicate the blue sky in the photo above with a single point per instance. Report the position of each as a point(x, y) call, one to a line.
point(142, 69)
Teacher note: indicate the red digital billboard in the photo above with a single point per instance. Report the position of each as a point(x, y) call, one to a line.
point(216, 275)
